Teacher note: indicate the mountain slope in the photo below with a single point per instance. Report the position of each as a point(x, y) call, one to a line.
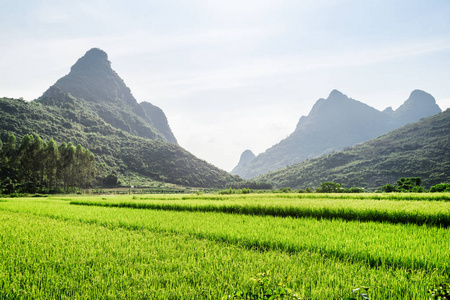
point(335, 123)
point(159, 120)
point(92, 79)
point(60, 116)
point(418, 149)
point(93, 107)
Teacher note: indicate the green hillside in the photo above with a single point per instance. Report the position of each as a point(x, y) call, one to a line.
point(416, 150)
point(335, 123)
point(92, 79)
point(60, 116)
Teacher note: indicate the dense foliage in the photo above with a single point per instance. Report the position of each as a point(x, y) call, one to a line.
point(62, 117)
point(406, 185)
point(440, 187)
point(415, 150)
point(249, 184)
point(33, 165)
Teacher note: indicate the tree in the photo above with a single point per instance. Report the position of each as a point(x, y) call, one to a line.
point(38, 147)
point(51, 163)
point(10, 147)
point(25, 162)
point(409, 184)
point(8, 165)
point(84, 167)
point(441, 187)
point(68, 158)
point(329, 187)
point(38, 166)
point(389, 188)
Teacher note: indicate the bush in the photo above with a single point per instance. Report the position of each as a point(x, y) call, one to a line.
point(439, 188)
point(389, 188)
point(408, 184)
point(285, 190)
point(329, 187)
point(353, 190)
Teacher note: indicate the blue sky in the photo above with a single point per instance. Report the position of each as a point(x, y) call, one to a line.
point(234, 75)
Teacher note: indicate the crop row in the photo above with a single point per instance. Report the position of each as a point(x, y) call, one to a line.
point(431, 213)
point(443, 197)
point(376, 244)
point(45, 258)
point(344, 196)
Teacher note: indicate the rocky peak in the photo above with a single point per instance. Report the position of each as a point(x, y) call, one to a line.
point(246, 157)
point(92, 79)
point(94, 58)
point(335, 94)
point(388, 110)
point(419, 105)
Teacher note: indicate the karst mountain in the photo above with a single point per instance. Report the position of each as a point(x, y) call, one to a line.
point(93, 107)
point(335, 123)
point(419, 149)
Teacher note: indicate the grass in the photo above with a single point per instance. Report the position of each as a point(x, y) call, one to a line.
point(430, 213)
point(51, 249)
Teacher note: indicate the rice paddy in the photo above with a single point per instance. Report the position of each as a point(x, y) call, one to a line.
point(206, 247)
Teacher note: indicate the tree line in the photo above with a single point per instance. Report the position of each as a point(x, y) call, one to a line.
point(36, 166)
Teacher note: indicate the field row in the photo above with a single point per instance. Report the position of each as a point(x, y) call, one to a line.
point(45, 258)
point(343, 196)
point(431, 213)
point(443, 197)
point(376, 244)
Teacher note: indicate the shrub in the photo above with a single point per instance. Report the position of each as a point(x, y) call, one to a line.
point(389, 188)
point(439, 188)
point(329, 187)
point(286, 190)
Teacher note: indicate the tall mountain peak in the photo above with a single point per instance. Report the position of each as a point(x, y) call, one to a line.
point(93, 80)
point(94, 58)
point(335, 94)
point(247, 156)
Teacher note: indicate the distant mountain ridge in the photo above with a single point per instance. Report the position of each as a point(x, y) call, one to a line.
point(92, 79)
point(335, 123)
point(418, 149)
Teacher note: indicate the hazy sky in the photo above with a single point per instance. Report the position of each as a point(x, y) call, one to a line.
point(236, 74)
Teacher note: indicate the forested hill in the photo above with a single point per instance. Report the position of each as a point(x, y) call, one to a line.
point(335, 123)
point(92, 79)
point(415, 150)
point(64, 118)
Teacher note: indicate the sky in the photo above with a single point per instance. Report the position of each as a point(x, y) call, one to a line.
point(236, 74)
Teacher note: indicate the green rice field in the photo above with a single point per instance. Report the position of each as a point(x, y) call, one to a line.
point(207, 246)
